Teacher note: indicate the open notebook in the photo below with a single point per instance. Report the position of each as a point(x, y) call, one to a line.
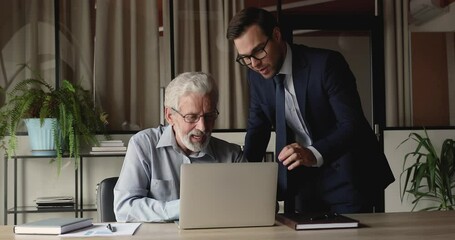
point(218, 195)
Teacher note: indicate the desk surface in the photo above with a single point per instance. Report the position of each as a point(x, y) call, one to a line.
point(400, 226)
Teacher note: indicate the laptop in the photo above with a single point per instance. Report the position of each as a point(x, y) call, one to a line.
point(222, 195)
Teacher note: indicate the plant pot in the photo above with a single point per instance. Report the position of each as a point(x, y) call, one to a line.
point(41, 137)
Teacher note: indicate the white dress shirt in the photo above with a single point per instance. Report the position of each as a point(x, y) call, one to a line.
point(294, 118)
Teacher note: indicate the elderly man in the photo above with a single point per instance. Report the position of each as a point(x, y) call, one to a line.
point(149, 182)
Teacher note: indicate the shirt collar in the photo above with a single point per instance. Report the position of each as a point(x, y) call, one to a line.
point(286, 68)
point(167, 139)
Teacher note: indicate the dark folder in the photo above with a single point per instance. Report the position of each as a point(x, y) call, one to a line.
point(316, 221)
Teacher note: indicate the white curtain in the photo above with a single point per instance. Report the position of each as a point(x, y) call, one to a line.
point(201, 45)
point(397, 70)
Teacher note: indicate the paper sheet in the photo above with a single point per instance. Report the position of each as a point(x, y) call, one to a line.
point(100, 229)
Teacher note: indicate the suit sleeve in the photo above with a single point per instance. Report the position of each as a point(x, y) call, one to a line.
point(259, 126)
point(343, 116)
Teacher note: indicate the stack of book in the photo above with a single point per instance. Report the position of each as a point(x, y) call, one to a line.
point(109, 147)
point(54, 203)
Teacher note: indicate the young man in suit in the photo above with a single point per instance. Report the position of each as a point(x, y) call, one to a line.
point(330, 157)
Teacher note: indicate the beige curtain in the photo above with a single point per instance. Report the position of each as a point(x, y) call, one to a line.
point(127, 62)
point(26, 37)
point(114, 48)
point(200, 45)
point(76, 41)
point(397, 70)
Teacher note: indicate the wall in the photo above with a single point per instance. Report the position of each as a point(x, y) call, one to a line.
point(429, 79)
point(433, 69)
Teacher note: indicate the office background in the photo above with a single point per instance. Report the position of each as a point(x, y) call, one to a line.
point(125, 53)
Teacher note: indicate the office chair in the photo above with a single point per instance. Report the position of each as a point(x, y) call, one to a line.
point(105, 199)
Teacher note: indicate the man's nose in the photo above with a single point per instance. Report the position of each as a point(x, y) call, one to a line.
point(255, 63)
point(201, 124)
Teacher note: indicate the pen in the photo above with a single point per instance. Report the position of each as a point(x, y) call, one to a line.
point(111, 228)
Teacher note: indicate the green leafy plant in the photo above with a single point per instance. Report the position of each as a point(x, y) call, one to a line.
point(78, 120)
point(430, 176)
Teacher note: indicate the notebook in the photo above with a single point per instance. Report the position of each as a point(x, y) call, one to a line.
point(52, 226)
point(317, 221)
point(222, 195)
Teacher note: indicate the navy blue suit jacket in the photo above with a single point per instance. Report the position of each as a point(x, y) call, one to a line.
point(330, 105)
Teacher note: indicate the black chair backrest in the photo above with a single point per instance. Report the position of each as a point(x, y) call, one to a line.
point(105, 199)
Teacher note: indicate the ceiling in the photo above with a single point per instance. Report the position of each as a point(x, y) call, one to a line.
point(318, 7)
point(322, 7)
point(334, 7)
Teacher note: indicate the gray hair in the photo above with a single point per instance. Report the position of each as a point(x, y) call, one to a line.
point(190, 82)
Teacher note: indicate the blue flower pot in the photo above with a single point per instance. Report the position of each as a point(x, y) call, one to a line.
point(41, 137)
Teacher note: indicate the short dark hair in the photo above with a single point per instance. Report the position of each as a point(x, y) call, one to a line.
point(249, 16)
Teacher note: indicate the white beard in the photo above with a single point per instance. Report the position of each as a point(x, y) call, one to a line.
point(197, 146)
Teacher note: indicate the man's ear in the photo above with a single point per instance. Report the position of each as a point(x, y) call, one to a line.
point(277, 34)
point(169, 116)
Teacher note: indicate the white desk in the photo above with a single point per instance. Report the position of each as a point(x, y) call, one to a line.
point(399, 226)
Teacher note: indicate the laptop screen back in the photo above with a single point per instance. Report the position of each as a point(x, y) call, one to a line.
point(216, 195)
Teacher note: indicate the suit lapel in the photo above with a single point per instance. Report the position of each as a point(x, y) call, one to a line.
point(300, 75)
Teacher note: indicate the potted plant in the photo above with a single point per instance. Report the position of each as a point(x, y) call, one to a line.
point(431, 176)
point(77, 120)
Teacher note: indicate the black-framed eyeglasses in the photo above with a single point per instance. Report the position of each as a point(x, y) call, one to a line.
point(259, 54)
point(194, 118)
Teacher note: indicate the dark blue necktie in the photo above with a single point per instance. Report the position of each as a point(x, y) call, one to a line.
point(280, 117)
point(280, 131)
point(284, 184)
